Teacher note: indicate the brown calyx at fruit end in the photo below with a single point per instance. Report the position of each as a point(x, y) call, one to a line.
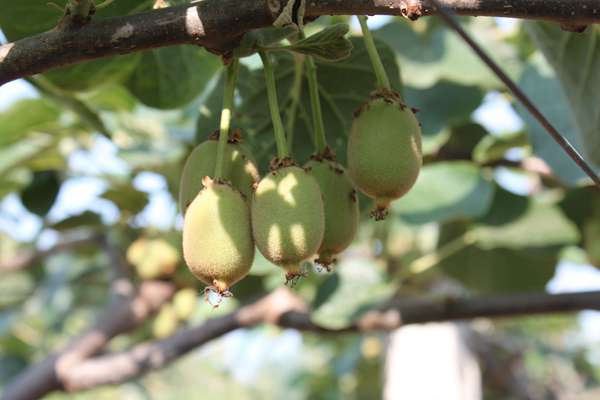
point(278, 163)
point(326, 154)
point(219, 290)
point(235, 136)
point(379, 213)
point(326, 261)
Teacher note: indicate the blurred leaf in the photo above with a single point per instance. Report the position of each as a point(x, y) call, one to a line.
point(428, 52)
point(345, 295)
point(87, 218)
point(328, 44)
point(171, 77)
point(462, 140)
point(575, 57)
point(440, 106)
point(126, 198)
point(111, 98)
point(15, 287)
point(26, 116)
point(541, 225)
point(506, 207)
point(492, 148)
point(444, 191)
point(541, 85)
point(501, 270)
point(39, 196)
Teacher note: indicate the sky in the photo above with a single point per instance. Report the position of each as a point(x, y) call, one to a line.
point(82, 193)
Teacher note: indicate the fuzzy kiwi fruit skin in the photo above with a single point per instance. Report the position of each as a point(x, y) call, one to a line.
point(240, 169)
point(217, 237)
point(288, 217)
point(384, 150)
point(340, 205)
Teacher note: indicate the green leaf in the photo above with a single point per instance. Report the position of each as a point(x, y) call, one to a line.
point(441, 106)
point(110, 98)
point(258, 39)
point(345, 295)
point(493, 148)
point(27, 116)
point(540, 225)
point(41, 193)
point(445, 191)
point(87, 218)
point(429, 52)
point(541, 85)
point(501, 270)
point(15, 287)
point(328, 44)
point(127, 198)
point(171, 77)
point(576, 59)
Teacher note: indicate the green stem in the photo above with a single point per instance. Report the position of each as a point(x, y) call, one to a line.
point(382, 78)
point(228, 100)
point(295, 94)
point(315, 103)
point(282, 149)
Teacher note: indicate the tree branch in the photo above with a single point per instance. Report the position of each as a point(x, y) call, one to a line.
point(219, 24)
point(285, 309)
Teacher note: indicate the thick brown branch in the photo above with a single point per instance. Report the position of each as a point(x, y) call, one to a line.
point(218, 24)
point(126, 310)
point(283, 308)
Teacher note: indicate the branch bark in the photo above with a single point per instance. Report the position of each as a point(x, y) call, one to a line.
point(219, 24)
point(281, 308)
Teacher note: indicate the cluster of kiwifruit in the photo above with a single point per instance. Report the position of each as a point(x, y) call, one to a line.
point(293, 213)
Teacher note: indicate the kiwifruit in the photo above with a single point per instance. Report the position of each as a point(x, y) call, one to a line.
point(340, 204)
point(184, 303)
point(152, 258)
point(165, 323)
point(217, 238)
point(240, 168)
point(384, 150)
point(288, 218)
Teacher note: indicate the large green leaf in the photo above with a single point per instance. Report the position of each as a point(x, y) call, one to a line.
point(576, 59)
point(540, 84)
point(429, 52)
point(171, 77)
point(441, 106)
point(26, 116)
point(39, 196)
point(444, 191)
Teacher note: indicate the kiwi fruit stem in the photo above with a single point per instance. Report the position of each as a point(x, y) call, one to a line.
point(295, 94)
point(282, 148)
point(382, 78)
point(320, 140)
point(226, 111)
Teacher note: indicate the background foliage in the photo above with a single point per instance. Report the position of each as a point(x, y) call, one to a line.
point(495, 210)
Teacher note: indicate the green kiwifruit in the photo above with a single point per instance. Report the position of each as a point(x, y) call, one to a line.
point(288, 218)
point(341, 207)
point(240, 169)
point(384, 150)
point(217, 237)
point(152, 258)
point(184, 303)
point(165, 323)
